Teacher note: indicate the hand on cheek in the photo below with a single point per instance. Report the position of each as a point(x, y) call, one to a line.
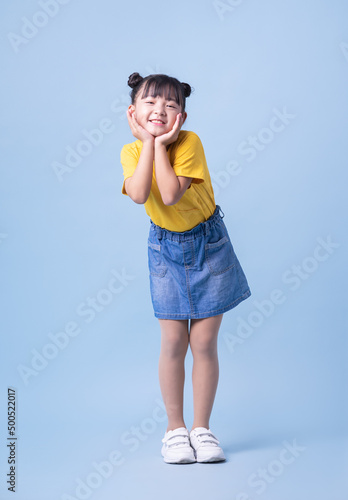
point(172, 135)
point(137, 130)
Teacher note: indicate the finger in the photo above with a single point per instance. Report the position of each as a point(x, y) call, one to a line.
point(130, 121)
point(129, 115)
point(178, 123)
point(135, 122)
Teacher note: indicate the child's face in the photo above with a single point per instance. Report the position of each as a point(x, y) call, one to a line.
point(157, 115)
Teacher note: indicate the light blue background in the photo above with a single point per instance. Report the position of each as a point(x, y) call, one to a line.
point(60, 241)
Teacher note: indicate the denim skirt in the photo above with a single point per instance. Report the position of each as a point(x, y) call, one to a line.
point(194, 274)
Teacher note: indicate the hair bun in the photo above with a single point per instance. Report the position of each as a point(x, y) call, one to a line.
point(187, 89)
point(134, 80)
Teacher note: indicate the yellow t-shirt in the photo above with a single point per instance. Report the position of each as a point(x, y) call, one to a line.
point(186, 155)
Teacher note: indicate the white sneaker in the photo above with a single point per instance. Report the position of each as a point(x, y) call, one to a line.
point(176, 447)
point(206, 446)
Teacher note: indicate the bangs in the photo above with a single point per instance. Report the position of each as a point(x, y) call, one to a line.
point(162, 87)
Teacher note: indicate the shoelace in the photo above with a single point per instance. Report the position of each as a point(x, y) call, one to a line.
point(211, 438)
point(177, 440)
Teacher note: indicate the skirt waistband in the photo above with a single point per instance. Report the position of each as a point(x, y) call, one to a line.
point(199, 230)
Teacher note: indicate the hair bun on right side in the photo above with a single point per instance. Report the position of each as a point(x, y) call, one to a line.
point(134, 80)
point(187, 89)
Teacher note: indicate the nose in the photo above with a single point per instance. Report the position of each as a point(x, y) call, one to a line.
point(160, 109)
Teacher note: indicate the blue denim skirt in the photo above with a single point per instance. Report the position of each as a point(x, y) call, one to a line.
point(194, 274)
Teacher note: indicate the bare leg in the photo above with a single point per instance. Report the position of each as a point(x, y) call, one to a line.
point(174, 344)
point(205, 373)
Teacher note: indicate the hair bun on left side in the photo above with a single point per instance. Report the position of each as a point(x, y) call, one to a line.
point(134, 80)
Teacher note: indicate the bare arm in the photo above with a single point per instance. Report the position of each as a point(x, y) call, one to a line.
point(138, 186)
point(171, 186)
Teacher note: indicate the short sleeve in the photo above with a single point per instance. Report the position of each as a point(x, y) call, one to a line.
point(129, 160)
point(189, 158)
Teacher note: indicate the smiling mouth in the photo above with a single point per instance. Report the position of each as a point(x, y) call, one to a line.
point(157, 122)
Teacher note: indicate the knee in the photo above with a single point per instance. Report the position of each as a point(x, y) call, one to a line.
point(206, 348)
point(174, 346)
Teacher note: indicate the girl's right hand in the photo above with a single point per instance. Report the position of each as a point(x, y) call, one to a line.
point(137, 130)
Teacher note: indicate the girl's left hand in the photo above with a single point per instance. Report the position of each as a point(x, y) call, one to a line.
point(171, 136)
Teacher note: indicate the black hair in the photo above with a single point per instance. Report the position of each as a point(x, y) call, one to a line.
point(156, 85)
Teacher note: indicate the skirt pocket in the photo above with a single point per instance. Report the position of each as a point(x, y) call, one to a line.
point(220, 256)
point(156, 265)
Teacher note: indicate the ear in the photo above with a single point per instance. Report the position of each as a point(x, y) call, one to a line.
point(131, 108)
point(184, 116)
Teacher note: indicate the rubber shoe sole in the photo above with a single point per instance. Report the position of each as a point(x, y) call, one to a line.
point(213, 456)
point(176, 458)
point(205, 446)
point(176, 447)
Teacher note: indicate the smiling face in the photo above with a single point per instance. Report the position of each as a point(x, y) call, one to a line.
point(156, 115)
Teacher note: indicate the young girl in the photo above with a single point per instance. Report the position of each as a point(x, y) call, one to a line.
point(195, 275)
